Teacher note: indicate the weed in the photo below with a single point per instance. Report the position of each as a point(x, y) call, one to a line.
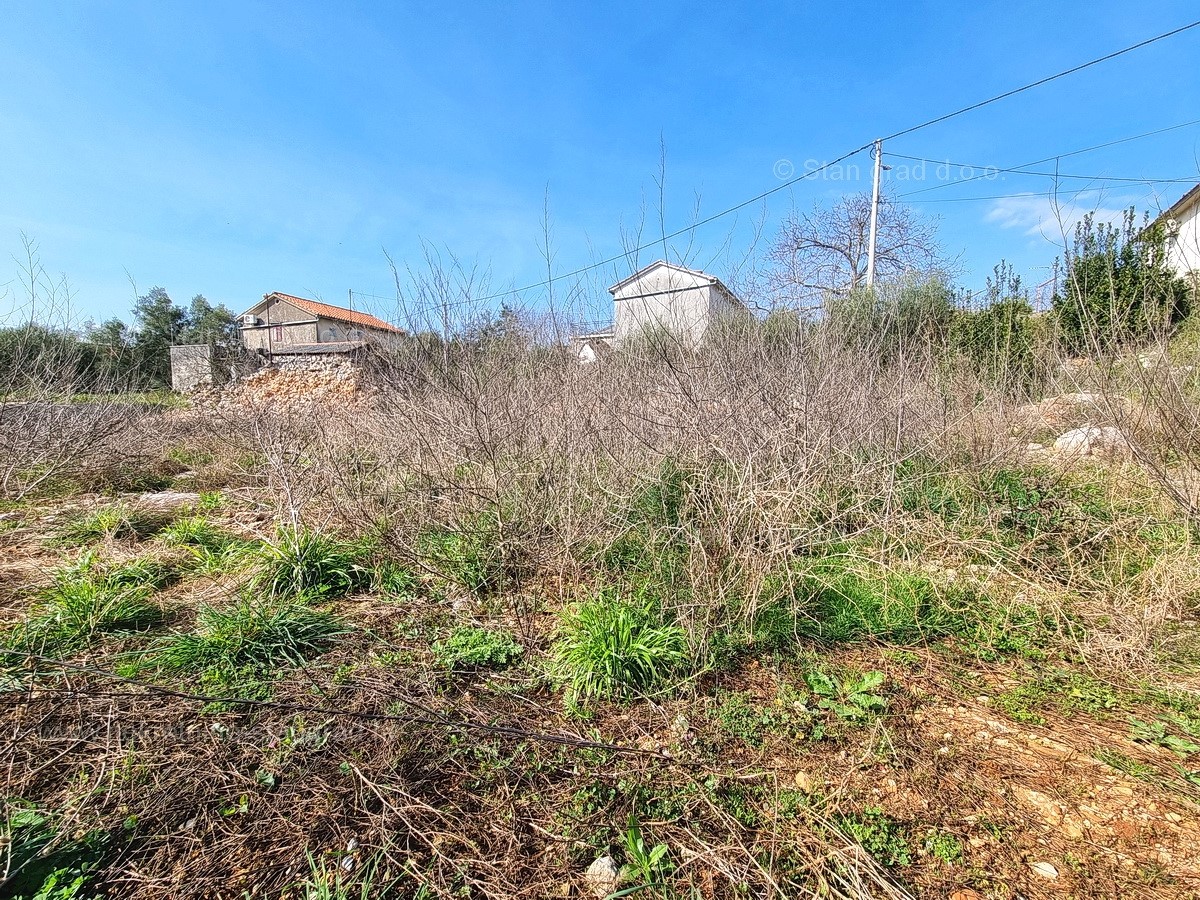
point(87, 601)
point(474, 648)
point(396, 582)
point(327, 882)
point(741, 802)
point(306, 563)
point(242, 644)
point(41, 864)
point(1021, 704)
point(114, 522)
point(648, 866)
point(880, 835)
point(612, 647)
point(944, 846)
point(471, 556)
point(850, 698)
point(1126, 764)
point(921, 487)
point(844, 598)
point(741, 719)
point(1156, 733)
point(1068, 691)
point(210, 501)
point(190, 458)
point(194, 531)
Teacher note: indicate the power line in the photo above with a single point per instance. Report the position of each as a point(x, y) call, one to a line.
point(974, 199)
point(681, 231)
point(790, 183)
point(1041, 81)
point(1058, 156)
point(1020, 170)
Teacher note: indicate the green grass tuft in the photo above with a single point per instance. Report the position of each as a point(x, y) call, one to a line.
point(248, 640)
point(608, 647)
point(471, 556)
point(114, 522)
point(196, 532)
point(843, 598)
point(307, 563)
point(87, 601)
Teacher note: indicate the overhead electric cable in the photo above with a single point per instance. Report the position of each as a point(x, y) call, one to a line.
point(809, 174)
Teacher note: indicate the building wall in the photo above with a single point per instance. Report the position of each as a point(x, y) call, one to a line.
point(288, 325)
point(1183, 251)
point(191, 367)
point(663, 298)
point(330, 330)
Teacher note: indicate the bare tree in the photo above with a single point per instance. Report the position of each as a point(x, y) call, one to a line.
point(825, 251)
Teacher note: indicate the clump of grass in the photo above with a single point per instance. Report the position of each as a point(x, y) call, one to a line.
point(395, 581)
point(474, 648)
point(609, 647)
point(87, 601)
point(844, 598)
point(248, 640)
point(302, 562)
point(213, 549)
point(210, 501)
point(114, 522)
point(196, 532)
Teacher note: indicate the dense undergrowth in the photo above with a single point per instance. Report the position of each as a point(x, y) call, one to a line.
point(733, 620)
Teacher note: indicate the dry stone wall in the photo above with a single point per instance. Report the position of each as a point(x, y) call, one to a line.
point(318, 381)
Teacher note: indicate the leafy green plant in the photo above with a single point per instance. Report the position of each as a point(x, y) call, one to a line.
point(470, 648)
point(40, 863)
point(248, 640)
point(1156, 733)
point(880, 835)
point(1118, 289)
point(649, 866)
point(305, 563)
point(611, 647)
point(850, 698)
point(738, 716)
point(88, 600)
point(944, 846)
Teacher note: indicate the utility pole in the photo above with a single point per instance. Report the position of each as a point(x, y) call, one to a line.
point(877, 152)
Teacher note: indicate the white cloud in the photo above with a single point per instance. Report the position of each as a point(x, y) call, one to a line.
point(1052, 217)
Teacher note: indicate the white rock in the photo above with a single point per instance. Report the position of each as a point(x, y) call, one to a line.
point(1092, 440)
point(602, 877)
point(1044, 869)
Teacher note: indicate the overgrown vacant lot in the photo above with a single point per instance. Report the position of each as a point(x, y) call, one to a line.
point(779, 619)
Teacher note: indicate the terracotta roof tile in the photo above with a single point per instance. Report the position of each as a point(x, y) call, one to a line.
point(337, 313)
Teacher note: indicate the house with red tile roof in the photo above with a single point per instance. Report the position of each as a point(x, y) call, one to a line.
point(283, 325)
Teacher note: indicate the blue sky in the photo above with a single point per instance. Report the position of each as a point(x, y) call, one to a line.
point(233, 149)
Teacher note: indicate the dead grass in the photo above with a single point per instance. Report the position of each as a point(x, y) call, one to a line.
point(727, 491)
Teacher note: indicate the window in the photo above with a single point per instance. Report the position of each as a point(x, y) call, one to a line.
point(277, 332)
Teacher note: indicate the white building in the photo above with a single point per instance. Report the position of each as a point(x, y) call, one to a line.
point(665, 296)
point(1182, 224)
